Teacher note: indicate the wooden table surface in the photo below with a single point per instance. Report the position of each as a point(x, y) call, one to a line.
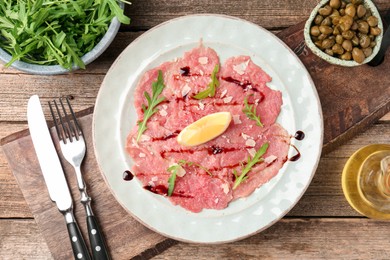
point(321, 226)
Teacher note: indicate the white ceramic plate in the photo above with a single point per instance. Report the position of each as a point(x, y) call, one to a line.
point(115, 115)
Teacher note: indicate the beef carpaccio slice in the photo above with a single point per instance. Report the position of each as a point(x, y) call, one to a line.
point(209, 186)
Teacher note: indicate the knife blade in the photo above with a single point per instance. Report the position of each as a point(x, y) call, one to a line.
point(53, 174)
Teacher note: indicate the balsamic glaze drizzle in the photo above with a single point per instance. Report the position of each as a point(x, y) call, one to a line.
point(299, 135)
point(295, 157)
point(127, 175)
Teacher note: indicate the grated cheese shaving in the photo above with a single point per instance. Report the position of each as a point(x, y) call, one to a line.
point(236, 119)
point(186, 89)
point(250, 142)
point(203, 60)
point(227, 99)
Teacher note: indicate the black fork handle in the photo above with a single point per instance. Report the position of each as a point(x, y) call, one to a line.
point(79, 248)
point(96, 239)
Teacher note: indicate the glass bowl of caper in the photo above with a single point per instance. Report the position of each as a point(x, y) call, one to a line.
point(344, 32)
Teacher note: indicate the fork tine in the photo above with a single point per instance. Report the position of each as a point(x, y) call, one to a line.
point(58, 129)
point(66, 130)
point(71, 129)
point(76, 123)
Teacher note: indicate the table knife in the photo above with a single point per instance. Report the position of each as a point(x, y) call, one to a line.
point(53, 174)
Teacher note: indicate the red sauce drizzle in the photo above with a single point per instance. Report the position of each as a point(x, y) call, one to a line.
point(215, 150)
point(185, 71)
point(163, 190)
point(164, 138)
point(297, 156)
point(127, 175)
point(242, 84)
point(299, 135)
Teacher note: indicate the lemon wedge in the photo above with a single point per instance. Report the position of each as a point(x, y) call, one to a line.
point(205, 129)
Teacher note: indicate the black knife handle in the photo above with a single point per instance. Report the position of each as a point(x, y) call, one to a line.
point(96, 239)
point(80, 250)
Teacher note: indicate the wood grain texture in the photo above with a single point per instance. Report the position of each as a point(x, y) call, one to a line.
point(26, 235)
point(348, 104)
point(306, 233)
point(121, 230)
point(269, 14)
point(324, 197)
point(310, 238)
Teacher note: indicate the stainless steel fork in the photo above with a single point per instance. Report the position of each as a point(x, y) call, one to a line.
point(73, 149)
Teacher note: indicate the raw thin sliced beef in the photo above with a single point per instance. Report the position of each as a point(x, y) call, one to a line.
point(207, 183)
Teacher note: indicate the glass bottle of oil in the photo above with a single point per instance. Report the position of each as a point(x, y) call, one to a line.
point(366, 181)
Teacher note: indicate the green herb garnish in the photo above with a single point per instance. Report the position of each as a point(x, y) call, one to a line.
point(171, 181)
point(47, 32)
point(210, 91)
point(153, 102)
point(251, 113)
point(175, 168)
point(250, 163)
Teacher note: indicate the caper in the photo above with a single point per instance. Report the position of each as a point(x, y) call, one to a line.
point(327, 21)
point(346, 22)
point(350, 10)
point(373, 44)
point(340, 39)
point(372, 21)
point(325, 11)
point(338, 49)
point(358, 55)
point(334, 14)
point(318, 19)
point(375, 31)
point(343, 4)
point(346, 56)
point(365, 41)
point(361, 11)
point(336, 20)
point(335, 4)
point(322, 36)
point(315, 31)
point(355, 41)
point(328, 43)
point(318, 44)
point(342, 11)
point(325, 29)
point(354, 26)
point(363, 27)
point(348, 35)
point(368, 14)
point(329, 52)
point(347, 45)
point(336, 31)
point(367, 51)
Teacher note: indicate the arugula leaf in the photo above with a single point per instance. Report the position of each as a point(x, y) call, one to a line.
point(250, 111)
point(175, 168)
point(210, 91)
point(153, 102)
point(51, 32)
point(172, 179)
point(250, 163)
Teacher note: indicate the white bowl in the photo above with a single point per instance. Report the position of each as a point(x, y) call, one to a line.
point(333, 60)
point(57, 69)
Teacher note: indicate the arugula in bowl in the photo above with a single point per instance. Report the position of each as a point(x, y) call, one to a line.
point(51, 32)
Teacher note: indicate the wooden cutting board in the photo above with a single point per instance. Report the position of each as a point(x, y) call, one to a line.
point(351, 98)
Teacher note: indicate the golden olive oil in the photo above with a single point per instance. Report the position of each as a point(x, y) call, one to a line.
point(364, 185)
